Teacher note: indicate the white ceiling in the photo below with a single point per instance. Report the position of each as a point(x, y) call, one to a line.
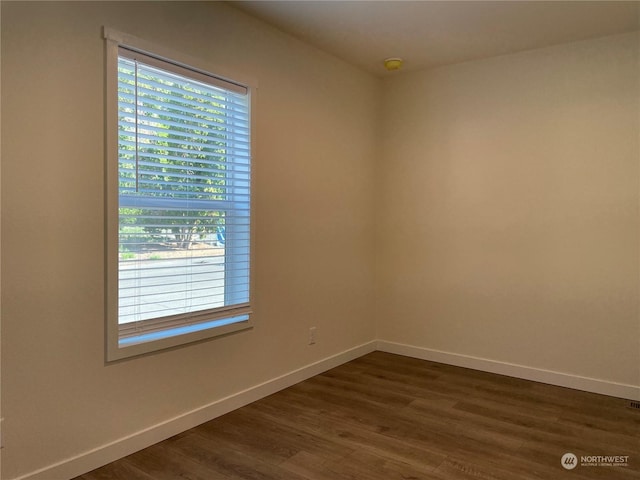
point(434, 33)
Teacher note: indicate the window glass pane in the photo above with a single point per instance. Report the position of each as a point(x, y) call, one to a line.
point(184, 197)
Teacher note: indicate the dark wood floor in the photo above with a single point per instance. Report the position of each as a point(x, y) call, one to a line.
point(384, 417)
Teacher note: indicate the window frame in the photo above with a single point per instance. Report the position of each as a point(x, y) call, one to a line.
point(214, 325)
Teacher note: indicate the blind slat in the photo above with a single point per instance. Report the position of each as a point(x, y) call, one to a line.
point(184, 173)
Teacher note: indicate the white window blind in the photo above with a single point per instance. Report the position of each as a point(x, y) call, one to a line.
point(183, 200)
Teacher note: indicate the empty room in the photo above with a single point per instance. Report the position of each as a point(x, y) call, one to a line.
point(320, 240)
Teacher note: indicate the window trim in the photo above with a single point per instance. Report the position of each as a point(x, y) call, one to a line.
point(184, 334)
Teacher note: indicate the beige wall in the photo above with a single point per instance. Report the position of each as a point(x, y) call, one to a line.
point(313, 223)
point(507, 212)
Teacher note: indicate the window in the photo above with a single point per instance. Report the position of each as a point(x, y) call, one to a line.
point(178, 203)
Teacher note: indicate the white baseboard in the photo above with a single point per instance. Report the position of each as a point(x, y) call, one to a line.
point(87, 461)
point(604, 387)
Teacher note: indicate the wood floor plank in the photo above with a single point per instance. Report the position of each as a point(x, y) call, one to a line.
point(311, 467)
point(387, 417)
point(350, 436)
point(367, 465)
point(224, 461)
point(253, 435)
point(120, 470)
point(161, 463)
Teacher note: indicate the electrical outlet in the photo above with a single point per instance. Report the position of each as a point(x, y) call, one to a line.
point(312, 335)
